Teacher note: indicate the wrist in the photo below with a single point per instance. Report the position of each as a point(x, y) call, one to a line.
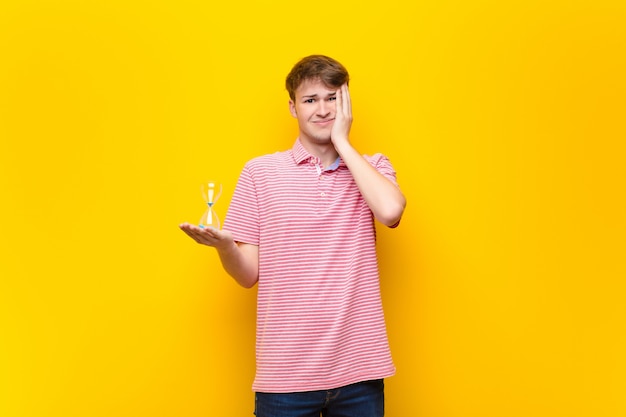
point(344, 148)
point(342, 144)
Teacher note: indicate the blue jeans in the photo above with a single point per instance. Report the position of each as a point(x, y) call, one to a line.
point(364, 399)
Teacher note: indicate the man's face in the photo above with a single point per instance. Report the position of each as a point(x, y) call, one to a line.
point(314, 107)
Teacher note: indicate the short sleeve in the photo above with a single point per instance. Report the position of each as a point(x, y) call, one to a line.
point(383, 165)
point(242, 218)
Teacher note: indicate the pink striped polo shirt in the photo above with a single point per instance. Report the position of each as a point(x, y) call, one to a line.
point(320, 321)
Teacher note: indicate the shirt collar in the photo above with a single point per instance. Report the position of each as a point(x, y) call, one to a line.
point(300, 155)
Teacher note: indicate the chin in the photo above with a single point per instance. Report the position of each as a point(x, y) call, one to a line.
point(321, 138)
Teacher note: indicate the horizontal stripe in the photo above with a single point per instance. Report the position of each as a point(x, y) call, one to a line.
point(320, 321)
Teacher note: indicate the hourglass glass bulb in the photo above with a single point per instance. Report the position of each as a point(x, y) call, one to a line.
point(210, 192)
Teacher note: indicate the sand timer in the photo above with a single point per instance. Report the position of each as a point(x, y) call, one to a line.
point(211, 191)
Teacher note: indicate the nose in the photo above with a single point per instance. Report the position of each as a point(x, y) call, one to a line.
point(323, 108)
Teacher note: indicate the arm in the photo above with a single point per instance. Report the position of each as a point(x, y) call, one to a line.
point(382, 196)
point(239, 260)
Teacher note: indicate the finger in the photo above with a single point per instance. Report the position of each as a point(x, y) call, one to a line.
point(198, 234)
point(211, 232)
point(187, 228)
point(339, 102)
point(193, 235)
point(347, 103)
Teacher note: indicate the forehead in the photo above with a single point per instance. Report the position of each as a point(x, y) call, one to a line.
point(314, 87)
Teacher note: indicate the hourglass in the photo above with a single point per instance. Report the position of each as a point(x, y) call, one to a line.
point(211, 191)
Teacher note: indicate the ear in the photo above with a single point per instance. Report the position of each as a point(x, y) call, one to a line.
point(292, 109)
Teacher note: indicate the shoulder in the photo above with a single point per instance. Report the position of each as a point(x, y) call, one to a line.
point(382, 165)
point(378, 160)
point(269, 165)
point(269, 160)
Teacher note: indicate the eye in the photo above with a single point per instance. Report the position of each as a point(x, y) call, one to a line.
point(310, 100)
point(333, 98)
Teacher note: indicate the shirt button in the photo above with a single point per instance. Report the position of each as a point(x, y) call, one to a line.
point(323, 194)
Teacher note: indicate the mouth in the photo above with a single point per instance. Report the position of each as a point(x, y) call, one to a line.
point(325, 122)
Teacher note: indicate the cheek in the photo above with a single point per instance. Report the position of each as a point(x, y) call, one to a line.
point(304, 115)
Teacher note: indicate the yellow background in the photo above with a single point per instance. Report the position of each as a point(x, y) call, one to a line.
point(503, 288)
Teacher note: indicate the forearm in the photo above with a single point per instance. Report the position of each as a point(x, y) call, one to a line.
point(382, 196)
point(240, 261)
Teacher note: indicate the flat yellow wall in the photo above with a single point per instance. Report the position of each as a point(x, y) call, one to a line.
point(503, 288)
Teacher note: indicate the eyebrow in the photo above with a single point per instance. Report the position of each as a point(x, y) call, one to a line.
point(315, 95)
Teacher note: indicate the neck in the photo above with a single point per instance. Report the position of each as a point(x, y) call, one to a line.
point(326, 152)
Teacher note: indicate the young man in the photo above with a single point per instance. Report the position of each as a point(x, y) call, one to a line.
point(301, 224)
